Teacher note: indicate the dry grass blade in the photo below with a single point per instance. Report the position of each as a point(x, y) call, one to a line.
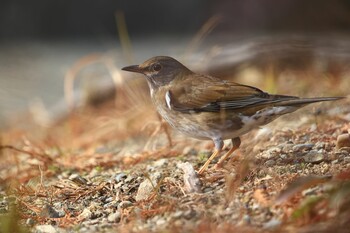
point(201, 34)
point(72, 73)
point(124, 35)
point(45, 158)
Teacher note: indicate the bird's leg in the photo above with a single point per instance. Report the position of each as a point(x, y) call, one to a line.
point(218, 147)
point(236, 142)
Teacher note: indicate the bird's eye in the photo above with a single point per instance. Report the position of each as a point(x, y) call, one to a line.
point(156, 67)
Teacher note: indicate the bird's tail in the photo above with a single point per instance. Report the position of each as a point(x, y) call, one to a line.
point(304, 101)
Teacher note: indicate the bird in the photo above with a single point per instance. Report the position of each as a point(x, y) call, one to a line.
point(209, 108)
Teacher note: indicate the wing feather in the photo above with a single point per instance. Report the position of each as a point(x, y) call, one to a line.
point(208, 94)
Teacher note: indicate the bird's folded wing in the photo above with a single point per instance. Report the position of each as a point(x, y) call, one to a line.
point(218, 95)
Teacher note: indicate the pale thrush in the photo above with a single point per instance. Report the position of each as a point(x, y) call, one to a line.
point(205, 107)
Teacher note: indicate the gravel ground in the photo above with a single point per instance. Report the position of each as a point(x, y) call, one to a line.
point(158, 189)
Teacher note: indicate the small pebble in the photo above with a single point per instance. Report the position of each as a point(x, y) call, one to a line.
point(160, 163)
point(270, 163)
point(124, 204)
point(345, 150)
point(189, 214)
point(310, 191)
point(192, 183)
point(120, 176)
point(302, 147)
point(49, 212)
point(272, 224)
point(270, 153)
point(94, 221)
point(208, 189)
point(114, 217)
point(45, 229)
point(246, 219)
point(97, 214)
point(313, 157)
point(343, 140)
point(178, 214)
point(287, 147)
point(78, 179)
point(86, 214)
point(160, 222)
point(320, 145)
point(340, 156)
point(284, 156)
point(30, 222)
point(335, 161)
point(347, 159)
point(108, 199)
point(147, 187)
point(128, 179)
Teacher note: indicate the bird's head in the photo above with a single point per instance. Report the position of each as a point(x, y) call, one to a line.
point(160, 70)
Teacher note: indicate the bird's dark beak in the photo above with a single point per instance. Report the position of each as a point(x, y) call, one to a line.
point(134, 68)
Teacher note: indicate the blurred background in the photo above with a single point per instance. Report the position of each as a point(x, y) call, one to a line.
point(267, 43)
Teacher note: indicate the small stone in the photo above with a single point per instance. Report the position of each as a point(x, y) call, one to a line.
point(208, 189)
point(347, 159)
point(108, 199)
point(343, 140)
point(129, 179)
point(191, 181)
point(114, 217)
point(310, 191)
point(86, 214)
point(120, 177)
point(78, 179)
point(272, 224)
point(30, 222)
point(112, 204)
point(287, 147)
point(302, 147)
point(320, 145)
point(313, 127)
point(345, 150)
point(160, 162)
point(270, 163)
point(313, 157)
point(335, 161)
point(146, 188)
point(124, 204)
point(94, 221)
point(283, 156)
point(178, 214)
point(45, 229)
point(246, 219)
point(160, 222)
point(49, 212)
point(189, 214)
point(270, 153)
point(340, 156)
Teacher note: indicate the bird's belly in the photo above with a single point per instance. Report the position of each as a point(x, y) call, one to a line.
point(201, 125)
point(208, 125)
point(185, 124)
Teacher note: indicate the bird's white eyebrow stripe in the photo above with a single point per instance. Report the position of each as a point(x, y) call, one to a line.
point(168, 99)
